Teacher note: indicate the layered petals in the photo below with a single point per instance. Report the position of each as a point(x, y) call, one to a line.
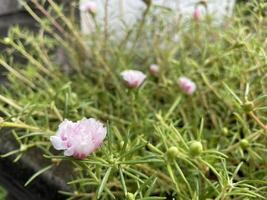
point(79, 139)
point(186, 85)
point(133, 78)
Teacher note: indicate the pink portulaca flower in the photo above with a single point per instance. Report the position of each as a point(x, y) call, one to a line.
point(187, 85)
point(133, 78)
point(88, 6)
point(196, 14)
point(154, 69)
point(79, 139)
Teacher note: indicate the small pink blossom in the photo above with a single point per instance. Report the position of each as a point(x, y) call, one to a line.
point(186, 85)
point(154, 69)
point(196, 14)
point(88, 6)
point(79, 139)
point(133, 78)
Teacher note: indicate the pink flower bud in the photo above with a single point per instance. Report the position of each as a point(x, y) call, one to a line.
point(79, 139)
point(186, 85)
point(88, 6)
point(196, 14)
point(133, 78)
point(154, 69)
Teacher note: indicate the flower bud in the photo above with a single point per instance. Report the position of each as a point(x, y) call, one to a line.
point(196, 14)
point(130, 196)
point(248, 106)
point(172, 152)
point(121, 144)
point(225, 131)
point(186, 85)
point(195, 148)
point(154, 69)
point(244, 143)
point(7, 40)
point(88, 6)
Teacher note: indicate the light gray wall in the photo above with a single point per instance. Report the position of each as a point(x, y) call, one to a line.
point(123, 13)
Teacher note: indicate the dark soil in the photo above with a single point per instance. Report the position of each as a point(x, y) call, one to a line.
point(13, 176)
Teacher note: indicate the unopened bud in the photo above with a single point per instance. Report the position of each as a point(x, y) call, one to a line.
point(196, 14)
point(225, 131)
point(88, 6)
point(244, 143)
point(130, 196)
point(121, 144)
point(154, 69)
point(195, 148)
point(7, 40)
point(172, 152)
point(248, 106)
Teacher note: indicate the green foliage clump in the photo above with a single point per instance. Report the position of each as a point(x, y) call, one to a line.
point(161, 142)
